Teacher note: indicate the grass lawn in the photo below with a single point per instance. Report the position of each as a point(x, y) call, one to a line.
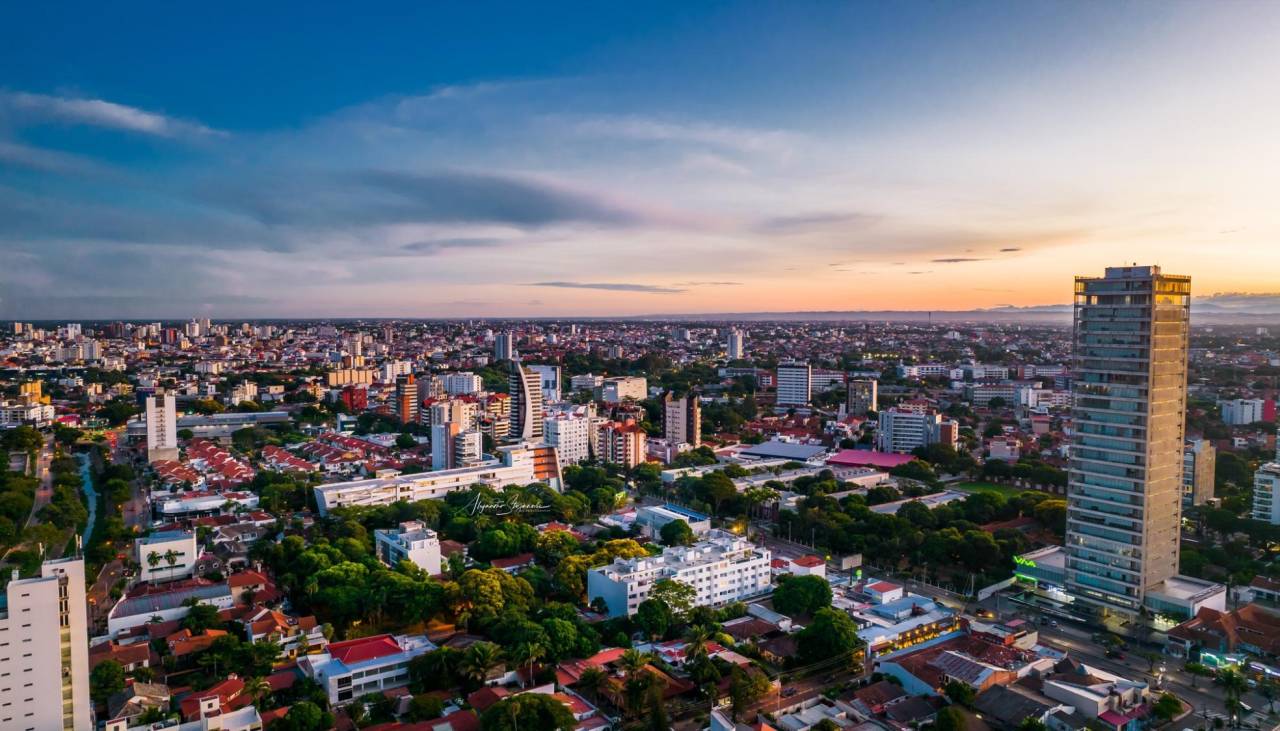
point(1007, 491)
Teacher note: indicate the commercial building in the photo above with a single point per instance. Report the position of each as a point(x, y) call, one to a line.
point(723, 568)
point(570, 434)
point(1239, 412)
point(1266, 493)
point(354, 668)
point(682, 419)
point(166, 555)
point(413, 542)
point(795, 384)
point(549, 377)
point(902, 431)
point(213, 426)
point(162, 427)
point(652, 517)
point(1124, 494)
point(1198, 471)
point(861, 396)
point(525, 387)
point(44, 650)
point(622, 388)
point(517, 465)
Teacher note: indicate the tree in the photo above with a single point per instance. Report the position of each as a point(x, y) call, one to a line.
point(654, 617)
point(949, 719)
point(406, 441)
point(1167, 707)
point(200, 617)
point(478, 660)
point(830, 634)
point(1233, 686)
point(959, 693)
point(745, 688)
point(677, 595)
point(304, 716)
point(591, 681)
point(257, 689)
point(676, 533)
point(424, 707)
point(528, 711)
point(106, 680)
point(798, 595)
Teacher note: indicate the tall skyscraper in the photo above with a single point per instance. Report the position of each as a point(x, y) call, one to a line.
point(503, 346)
point(1124, 490)
point(682, 419)
point(44, 650)
point(795, 384)
point(407, 402)
point(861, 396)
point(525, 387)
point(162, 427)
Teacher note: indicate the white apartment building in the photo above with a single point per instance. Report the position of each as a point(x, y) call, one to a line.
point(570, 434)
point(924, 370)
point(44, 651)
point(586, 382)
point(617, 390)
point(1238, 412)
point(722, 568)
point(1266, 493)
point(735, 346)
point(153, 554)
point(518, 465)
point(904, 431)
point(162, 427)
point(413, 542)
point(25, 411)
point(348, 670)
point(504, 346)
point(468, 448)
point(456, 384)
point(795, 384)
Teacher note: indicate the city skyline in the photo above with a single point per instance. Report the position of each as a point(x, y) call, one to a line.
point(614, 162)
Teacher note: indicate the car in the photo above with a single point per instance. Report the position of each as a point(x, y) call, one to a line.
point(1115, 654)
point(986, 614)
point(788, 692)
point(1053, 623)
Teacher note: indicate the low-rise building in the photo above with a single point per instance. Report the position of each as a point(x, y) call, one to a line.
point(350, 669)
point(414, 542)
point(166, 555)
point(722, 568)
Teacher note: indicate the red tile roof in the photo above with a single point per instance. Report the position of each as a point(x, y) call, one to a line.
point(365, 648)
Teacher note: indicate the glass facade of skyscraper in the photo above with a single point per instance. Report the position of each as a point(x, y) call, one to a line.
point(1125, 473)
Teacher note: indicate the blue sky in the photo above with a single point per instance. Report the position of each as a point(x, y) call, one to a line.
point(236, 160)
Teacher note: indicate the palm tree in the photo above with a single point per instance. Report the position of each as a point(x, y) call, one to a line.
point(528, 652)
point(153, 560)
point(591, 681)
point(479, 659)
point(257, 689)
point(1233, 686)
point(171, 558)
point(633, 661)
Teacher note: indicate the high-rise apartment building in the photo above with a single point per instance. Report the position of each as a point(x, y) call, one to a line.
point(504, 346)
point(407, 402)
point(1266, 493)
point(571, 435)
point(442, 436)
point(861, 396)
point(795, 384)
point(903, 430)
point(162, 427)
point(682, 419)
point(1124, 490)
point(1241, 411)
point(735, 347)
point(1198, 472)
point(525, 387)
point(44, 650)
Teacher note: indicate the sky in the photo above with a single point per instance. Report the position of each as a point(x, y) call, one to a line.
point(563, 159)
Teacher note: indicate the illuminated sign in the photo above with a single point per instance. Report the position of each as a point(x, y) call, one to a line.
point(1024, 562)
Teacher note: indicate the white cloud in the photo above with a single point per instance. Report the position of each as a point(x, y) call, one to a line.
point(102, 113)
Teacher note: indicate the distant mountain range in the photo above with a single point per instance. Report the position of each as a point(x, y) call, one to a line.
point(1222, 308)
